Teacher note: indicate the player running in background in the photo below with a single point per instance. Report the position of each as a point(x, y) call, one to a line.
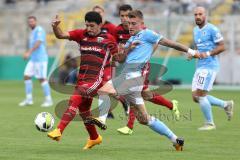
point(37, 64)
point(122, 35)
point(209, 41)
point(96, 48)
point(129, 83)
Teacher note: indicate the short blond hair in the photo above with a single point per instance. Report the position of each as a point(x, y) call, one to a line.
point(135, 14)
point(98, 7)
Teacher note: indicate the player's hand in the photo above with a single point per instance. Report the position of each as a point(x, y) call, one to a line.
point(26, 55)
point(191, 56)
point(134, 44)
point(203, 55)
point(56, 21)
point(121, 48)
point(197, 55)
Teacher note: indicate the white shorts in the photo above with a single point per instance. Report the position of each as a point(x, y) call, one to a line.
point(37, 69)
point(129, 85)
point(203, 79)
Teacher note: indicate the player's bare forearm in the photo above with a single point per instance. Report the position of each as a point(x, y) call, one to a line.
point(59, 33)
point(119, 57)
point(219, 49)
point(35, 46)
point(57, 30)
point(172, 44)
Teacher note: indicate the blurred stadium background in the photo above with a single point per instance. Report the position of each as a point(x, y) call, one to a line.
point(172, 18)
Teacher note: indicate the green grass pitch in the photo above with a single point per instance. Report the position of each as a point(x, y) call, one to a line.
point(19, 139)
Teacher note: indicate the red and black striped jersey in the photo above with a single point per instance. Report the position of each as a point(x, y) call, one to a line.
point(121, 35)
point(108, 27)
point(96, 53)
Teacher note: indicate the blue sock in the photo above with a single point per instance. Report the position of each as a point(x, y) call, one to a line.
point(162, 129)
point(46, 90)
point(216, 101)
point(28, 89)
point(206, 109)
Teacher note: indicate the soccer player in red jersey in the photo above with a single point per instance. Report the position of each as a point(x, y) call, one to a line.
point(107, 26)
point(96, 49)
point(110, 28)
point(122, 35)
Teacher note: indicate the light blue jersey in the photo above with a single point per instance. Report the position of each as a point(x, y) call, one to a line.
point(142, 52)
point(206, 39)
point(40, 54)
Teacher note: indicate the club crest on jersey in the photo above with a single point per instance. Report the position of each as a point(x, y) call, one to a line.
point(100, 39)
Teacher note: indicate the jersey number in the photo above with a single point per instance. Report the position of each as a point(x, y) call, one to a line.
point(200, 80)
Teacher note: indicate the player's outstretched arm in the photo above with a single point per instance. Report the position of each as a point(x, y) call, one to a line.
point(219, 49)
point(121, 55)
point(57, 30)
point(176, 46)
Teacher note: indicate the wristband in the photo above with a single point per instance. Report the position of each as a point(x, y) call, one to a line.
point(208, 53)
point(191, 51)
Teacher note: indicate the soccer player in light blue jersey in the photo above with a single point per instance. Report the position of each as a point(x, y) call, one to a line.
point(129, 83)
point(37, 64)
point(209, 42)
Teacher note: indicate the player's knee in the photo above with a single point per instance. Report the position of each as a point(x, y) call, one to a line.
point(147, 95)
point(195, 99)
point(27, 78)
point(142, 120)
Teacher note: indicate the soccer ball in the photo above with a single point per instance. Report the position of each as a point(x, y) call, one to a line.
point(44, 121)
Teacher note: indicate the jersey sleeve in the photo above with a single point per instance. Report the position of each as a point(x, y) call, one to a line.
point(216, 35)
point(129, 41)
point(152, 37)
point(76, 35)
point(112, 45)
point(112, 29)
point(40, 34)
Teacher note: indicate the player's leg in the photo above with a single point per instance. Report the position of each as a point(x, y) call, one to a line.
point(156, 125)
point(41, 74)
point(85, 111)
point(157, 98)
point(104, 105)
point(28, 73)
point(226, 105)
point(206, 109)
point(104, 102)
point(68, 115)
point(128, 130)
point(200, 87)
point(124, 103)
point(160, 100)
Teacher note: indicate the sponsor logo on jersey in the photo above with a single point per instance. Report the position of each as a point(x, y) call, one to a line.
point(90, 49)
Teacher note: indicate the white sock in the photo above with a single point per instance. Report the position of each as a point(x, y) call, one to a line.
point(29, 96)
point(104, 105)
